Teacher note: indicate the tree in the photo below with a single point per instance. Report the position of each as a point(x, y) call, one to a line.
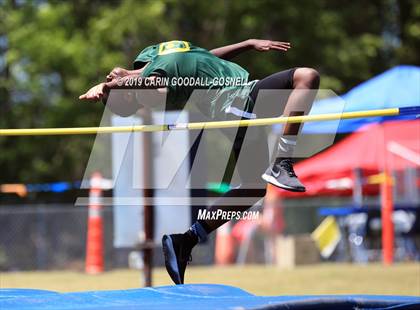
point(52, 51)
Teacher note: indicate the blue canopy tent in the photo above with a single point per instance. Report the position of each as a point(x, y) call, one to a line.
point(395, 88)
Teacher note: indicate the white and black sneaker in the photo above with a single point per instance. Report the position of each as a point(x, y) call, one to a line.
point(282, 175)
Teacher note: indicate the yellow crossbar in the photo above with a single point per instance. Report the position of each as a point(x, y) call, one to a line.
point(197, 125)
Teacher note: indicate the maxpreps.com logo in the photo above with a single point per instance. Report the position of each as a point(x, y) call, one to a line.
point(204, 214)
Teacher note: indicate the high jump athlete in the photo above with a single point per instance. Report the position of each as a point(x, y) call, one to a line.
point(180, 59)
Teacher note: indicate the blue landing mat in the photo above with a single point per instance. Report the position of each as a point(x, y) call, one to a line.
point(193, 296)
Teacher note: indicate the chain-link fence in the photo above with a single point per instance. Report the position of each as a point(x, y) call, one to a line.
point(53, 236)
point(48, 236)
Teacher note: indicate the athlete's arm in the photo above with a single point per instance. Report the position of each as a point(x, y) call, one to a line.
point(133, 81)
point(230, 51)
point(121, 72)
point(127, 103)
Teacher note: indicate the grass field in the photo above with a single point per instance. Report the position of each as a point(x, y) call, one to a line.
point(400, 279)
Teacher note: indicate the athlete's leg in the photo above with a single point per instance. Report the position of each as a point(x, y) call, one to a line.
point(296, 92)
point(250, 158)
point(305, 81)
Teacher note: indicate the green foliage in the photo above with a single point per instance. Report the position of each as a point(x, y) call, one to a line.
point(51, 51)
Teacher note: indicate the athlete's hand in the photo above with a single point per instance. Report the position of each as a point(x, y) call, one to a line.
point(97, 92)
point(267, 45)
point(117, 73)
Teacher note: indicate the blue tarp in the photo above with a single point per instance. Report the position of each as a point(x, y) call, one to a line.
point(395, 88)
point(193, 296)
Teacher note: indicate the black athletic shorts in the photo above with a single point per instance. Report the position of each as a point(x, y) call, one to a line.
point(271, 104)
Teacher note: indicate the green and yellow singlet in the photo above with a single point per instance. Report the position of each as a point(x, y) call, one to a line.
point(226, 81)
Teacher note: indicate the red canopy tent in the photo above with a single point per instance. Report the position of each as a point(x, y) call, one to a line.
point(332, 171)
point(381, 147)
